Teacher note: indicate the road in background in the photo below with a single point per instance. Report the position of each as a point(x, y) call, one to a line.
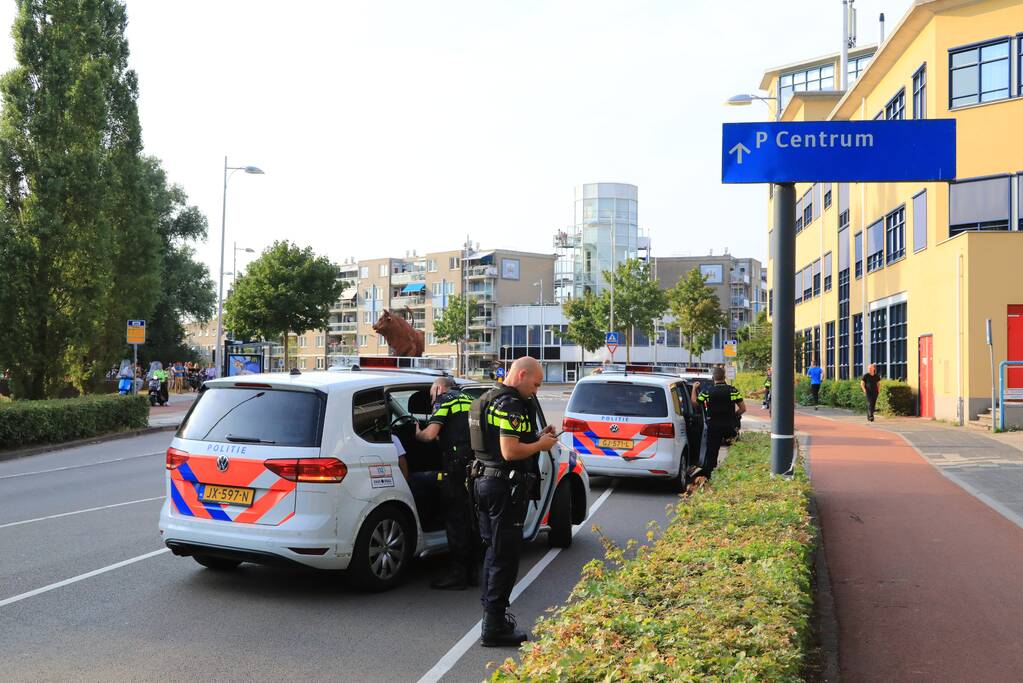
point(166, 618)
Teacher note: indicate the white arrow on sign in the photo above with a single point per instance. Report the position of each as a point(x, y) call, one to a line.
point(738, 151)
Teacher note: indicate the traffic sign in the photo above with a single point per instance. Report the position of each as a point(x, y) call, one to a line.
point(730, 372)
point(731, 348)
point(611, 340)
point(136, 332)
point(499, 373)
point(839, 151)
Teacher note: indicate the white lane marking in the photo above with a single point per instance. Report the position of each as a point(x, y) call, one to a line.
point(78, 512)
point(81, 577)
point(75, 467)
point(462, 646)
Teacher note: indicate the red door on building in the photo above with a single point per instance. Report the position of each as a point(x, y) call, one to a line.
point(1015, 346)
point(926, 373)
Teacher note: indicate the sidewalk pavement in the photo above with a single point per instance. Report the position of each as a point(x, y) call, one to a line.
point(924, 574)
point(170, 415)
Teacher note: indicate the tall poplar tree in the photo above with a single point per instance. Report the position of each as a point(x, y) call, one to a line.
point(81, 249)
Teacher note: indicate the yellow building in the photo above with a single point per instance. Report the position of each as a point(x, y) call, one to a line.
point(904, 275)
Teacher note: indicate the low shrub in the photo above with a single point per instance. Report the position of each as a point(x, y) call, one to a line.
point(750, 384)
point(24, 423)
point(896, 398)
point(724, 594)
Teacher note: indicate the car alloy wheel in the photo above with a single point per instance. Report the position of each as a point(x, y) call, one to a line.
point(387, 546)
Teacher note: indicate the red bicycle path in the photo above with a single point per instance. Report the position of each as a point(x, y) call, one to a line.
point(925, 577)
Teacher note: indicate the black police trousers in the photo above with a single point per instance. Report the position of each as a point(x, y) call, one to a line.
point(501, 520)
point(713, 435)
point(457, 520)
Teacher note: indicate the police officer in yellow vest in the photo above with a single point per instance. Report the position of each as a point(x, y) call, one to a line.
point(722, 407)
point(450, 423)
point(503, 429)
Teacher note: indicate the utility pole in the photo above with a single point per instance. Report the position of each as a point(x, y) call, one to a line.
point(782, 352)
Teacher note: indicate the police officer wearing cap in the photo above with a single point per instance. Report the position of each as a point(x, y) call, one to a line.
point(722, 406)
point(503, 429)
point(450, 423)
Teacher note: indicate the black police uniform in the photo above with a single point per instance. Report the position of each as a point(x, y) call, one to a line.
point(451, 412)
point(502, 496)
point(719, 411)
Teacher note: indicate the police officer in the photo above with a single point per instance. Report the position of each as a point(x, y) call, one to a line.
point(450, 422)
point(502, 426)
point(722, 406)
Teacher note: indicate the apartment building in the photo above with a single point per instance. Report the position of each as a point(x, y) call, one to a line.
point(905, 275)
point(738, 283)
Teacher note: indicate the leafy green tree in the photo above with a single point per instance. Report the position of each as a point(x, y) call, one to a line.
point(75, 216)
point(755, 344)
point(450, 327)
point(638, 299)
point(286, 290)
point(587, 321)
point(697, 311)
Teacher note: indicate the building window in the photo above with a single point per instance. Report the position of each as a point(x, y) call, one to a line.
point(896, 107)
point(519, 335)
point(827, 272)
point(301, 342)
point(361, 340)
point(454, 262)
point(856, 66)
point(827, 195)
point(383, 270)
point(817, 345)
point(431, 338)
point(843, 323)
point(319, 341)
point(979, 74)
point(320, 363)
point(770, 302)
point(809, 80)
point(808, 283)
point(843, 205)
point(829, 350)
point(879, 340)
point(897, 332)
point(301, 363)
point(431, 265)
point(920, 93)
point(875, 246)
point(807, 349)
point(981, 204)
point(817, 277)
point(858, 239)
point(857, 345)
point(364, 271)
point(381, 341)
point(895, 235)
point(920, 222)
point(808, 208)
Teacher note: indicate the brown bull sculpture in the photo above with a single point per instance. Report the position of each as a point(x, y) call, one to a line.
point(403, 339)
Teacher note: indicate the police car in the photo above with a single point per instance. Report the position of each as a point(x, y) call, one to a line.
point(302, 469)
point(625, 424)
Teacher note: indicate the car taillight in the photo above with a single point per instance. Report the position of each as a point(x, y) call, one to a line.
point(663, 430)
point(308, 470)
point(570, 424)
point(176, 458)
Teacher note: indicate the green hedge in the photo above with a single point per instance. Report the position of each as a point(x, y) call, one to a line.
point(724, 594)
point(24, 423)
point(750, 384)
point(896, 398)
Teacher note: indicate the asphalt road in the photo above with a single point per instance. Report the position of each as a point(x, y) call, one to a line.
point(160, 617)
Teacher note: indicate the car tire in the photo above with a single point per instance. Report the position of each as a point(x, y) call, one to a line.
point(217, 564)
point(677, 484)
point(560, 520)
point(383, 549)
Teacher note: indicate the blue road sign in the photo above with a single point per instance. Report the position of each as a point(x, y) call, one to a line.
point(611, 338)
point(839, 151)
point(499, 373)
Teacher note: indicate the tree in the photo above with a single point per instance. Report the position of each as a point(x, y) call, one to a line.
point(450, 327)
point(697, 311)
point(755, 344)
point(638, 300)
point(587, 320)
point(286, 290)
point(77, 236)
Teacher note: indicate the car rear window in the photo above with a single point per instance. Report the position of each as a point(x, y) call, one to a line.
point(618, 398)
point(250, 415)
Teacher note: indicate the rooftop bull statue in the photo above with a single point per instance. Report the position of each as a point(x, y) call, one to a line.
point(403, 339)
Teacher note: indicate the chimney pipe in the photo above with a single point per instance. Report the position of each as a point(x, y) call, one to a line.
point(843, 63)
point(881, 20)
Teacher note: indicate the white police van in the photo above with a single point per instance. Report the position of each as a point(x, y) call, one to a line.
point(301, 469)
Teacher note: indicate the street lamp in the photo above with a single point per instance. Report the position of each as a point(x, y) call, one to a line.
point(540, 285)
point(253, 170)
point(745, 99)
point(246, 250)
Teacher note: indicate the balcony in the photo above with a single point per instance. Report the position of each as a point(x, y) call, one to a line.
point(481, 348)
point(740, 278)
point(740, 302)
point(410, 300)
point(476, 272)
point(408, 277)
point(483, 322)
point(485, 297)
point(342, 328)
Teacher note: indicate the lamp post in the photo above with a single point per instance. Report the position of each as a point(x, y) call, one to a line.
point(220, 287)
point(540, 285)
point(744, 100)
point(234, 265)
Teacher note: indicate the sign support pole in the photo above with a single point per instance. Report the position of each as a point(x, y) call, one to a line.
point(134, 379)
point(782, 333)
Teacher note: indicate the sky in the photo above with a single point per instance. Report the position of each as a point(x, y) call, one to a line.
point(384, 127)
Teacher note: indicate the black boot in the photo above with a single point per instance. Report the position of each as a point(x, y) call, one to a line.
point(453, 580)
point(500, 630)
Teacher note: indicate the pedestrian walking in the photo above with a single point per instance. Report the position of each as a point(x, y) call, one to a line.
point(767, 391)
point(722, 406)
point(449, 422)
point(870, 384)
point(815, 374)
point(504, 435)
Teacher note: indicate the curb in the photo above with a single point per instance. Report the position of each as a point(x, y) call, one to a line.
point(46, 448)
